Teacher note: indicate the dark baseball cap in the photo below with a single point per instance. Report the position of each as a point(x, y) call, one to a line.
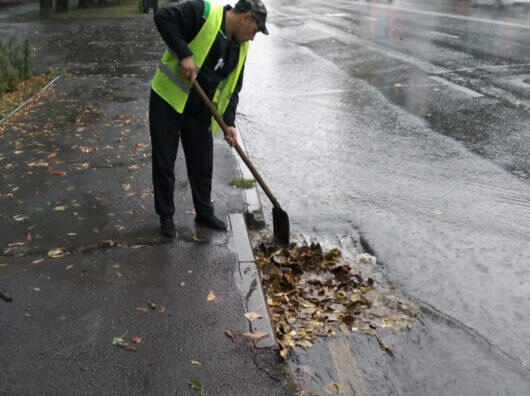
point(257, 11)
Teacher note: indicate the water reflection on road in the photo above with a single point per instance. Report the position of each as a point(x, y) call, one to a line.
point(351, 138)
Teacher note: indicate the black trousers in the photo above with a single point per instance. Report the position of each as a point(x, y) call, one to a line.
point(167, 127)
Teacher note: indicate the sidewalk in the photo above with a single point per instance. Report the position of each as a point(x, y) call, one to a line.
point(81, 254)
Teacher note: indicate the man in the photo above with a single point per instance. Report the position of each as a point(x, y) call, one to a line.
point(207, 42)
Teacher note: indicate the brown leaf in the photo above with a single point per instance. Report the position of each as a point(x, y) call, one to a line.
point(230, 334)
point(211, 296)
point(255, 334)
point(58, 173)
point(252, 316)
point(136, 340)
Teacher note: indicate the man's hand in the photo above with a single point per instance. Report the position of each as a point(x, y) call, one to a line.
point(187, 67)
point(231, 136)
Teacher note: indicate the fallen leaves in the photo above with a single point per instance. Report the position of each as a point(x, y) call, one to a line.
point(87, 149)
point(196, 385)
point(242, 183)
point(58, 173)
point(136, 340)
point(231, 334)
point(255, 334)
point(211, 296)
point(195, 363)
point(20, 218)
point(313, 293)
point(41, 164)
point(56, 253)
point(118, 341)
point(252, 316)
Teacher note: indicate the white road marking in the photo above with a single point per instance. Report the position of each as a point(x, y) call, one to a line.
point(487, 67)
point(349, 375)
point(443, 34)
point(467, 91)
point(441, 14)
point(337, 15)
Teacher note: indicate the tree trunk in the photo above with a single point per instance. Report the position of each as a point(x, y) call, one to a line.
point(61, 6)
point(46, 8)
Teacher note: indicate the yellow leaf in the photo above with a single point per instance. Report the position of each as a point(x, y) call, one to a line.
point(211, 296)
point(256, 334)
point(54, 253)
point(195, 363)
point(252, 316)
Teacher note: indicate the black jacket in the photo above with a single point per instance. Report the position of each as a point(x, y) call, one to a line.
point(178, 24)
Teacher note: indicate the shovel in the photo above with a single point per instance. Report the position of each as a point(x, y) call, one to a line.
point(280, 219)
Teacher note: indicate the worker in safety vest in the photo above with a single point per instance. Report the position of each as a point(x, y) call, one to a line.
point(210, 43)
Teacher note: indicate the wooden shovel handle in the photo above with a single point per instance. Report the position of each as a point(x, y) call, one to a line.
point(238, 148)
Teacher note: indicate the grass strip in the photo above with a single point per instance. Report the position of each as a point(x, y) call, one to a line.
point(23, 91)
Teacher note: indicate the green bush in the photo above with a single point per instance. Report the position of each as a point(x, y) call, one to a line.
point(14, 63)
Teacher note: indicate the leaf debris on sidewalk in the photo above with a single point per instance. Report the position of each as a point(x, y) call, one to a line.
point(252, 316)
point(231, 334)
point(118, 341)
point(195, 385)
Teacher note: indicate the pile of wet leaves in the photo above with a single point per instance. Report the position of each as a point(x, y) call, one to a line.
point(314, 293)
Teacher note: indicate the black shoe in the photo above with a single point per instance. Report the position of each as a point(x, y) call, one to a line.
point(167, 227)
point(211, 222)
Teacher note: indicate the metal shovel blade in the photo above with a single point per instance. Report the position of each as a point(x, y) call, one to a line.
point(280, 223)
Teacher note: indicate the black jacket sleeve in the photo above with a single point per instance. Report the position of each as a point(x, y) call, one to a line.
point(229, 117)
point(178, 24)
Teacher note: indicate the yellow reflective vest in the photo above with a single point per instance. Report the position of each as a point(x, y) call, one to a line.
point(174, 87)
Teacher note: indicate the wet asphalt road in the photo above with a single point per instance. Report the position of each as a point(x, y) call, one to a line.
point(408, 124)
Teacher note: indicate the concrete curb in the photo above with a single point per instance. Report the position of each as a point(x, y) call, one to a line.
point(249, 279)
point(254, 214)
point(250, 282)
